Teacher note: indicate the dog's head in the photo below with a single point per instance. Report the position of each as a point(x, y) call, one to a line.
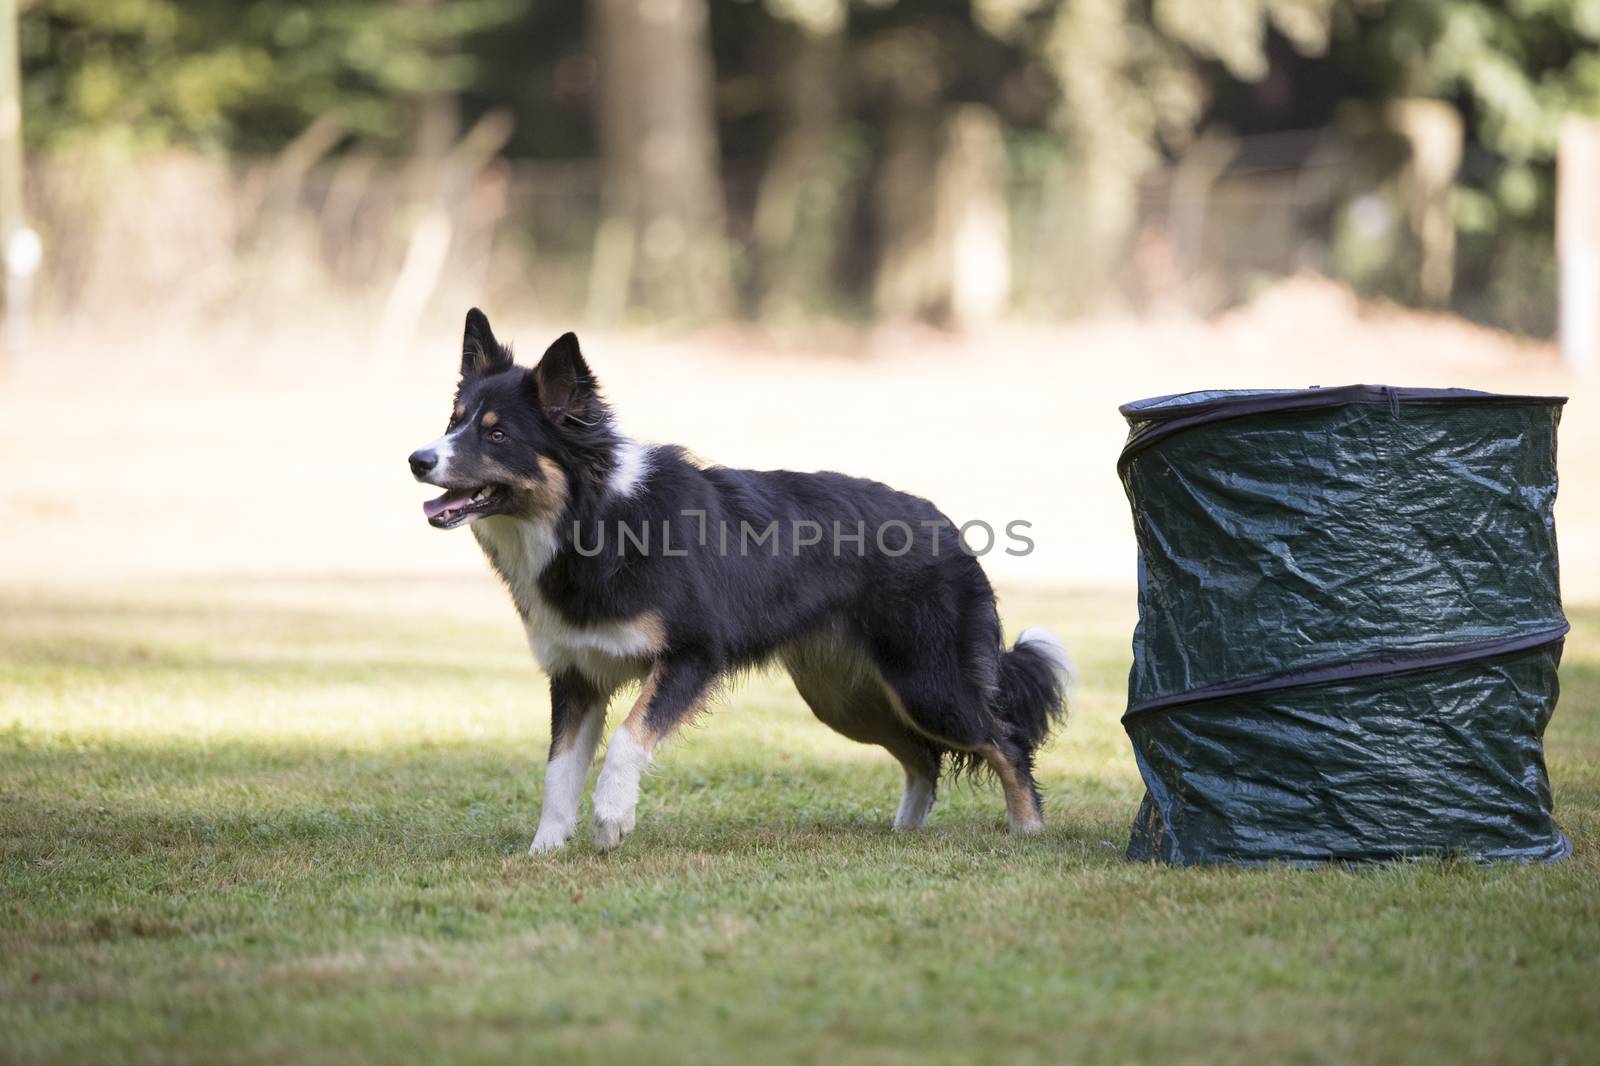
point(512, 431)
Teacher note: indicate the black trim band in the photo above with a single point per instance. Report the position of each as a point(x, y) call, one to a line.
point(1404, 663)
point(1163, 418)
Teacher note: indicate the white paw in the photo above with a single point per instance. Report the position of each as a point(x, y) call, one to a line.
point(1027, 827)
point(613, 820)
point(548, 839)
point(608, 832)
point(616, 794)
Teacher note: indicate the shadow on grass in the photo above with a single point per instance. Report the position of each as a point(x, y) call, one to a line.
point(80, 811)
point(443, 801)
point(236, 843)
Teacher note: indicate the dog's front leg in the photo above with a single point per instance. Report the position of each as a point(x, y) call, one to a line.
point(673, 691)
point(577, 715)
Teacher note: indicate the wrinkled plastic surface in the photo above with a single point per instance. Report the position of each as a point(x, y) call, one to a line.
point(1350, 623)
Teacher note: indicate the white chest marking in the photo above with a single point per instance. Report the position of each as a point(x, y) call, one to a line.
point(519, 550)
point(609, 653)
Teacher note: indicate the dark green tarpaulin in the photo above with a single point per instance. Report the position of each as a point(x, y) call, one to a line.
point(1349, 624)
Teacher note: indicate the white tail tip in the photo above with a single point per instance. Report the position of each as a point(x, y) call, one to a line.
point(1048, 644)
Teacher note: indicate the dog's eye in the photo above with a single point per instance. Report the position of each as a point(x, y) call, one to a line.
point(497, 435)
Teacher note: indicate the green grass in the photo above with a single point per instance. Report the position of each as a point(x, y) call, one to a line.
point(270, 822)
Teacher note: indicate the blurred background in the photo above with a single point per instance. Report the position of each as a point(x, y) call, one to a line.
point(936, 242)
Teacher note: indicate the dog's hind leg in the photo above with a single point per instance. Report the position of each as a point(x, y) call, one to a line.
point(1024, 810)
point(841, 687)
point(937, 702)
point(922, 782)
point(577, 715)
point(674, 690)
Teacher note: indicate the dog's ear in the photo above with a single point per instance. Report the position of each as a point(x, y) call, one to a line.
point(563, 381)
point(480, 352)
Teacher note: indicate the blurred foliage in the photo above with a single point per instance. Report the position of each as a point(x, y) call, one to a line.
point(1515, 68)
point(1521, 64)
point(1128, 76)
point(1133, 81)
point(1096, 95)
point(243, 75)
point(1132, 74)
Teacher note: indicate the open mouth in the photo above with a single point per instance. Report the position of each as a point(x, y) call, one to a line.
point(458, 505)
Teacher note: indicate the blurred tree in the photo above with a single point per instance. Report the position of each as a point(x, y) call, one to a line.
point(436, 113)
point(661, 243)
point(1523, 64)
point(244, 74)
point(1511, 69)
point(1133, 81)
point(817, 132)
point(798, 217)
point(19, 245)
point(1516, 69)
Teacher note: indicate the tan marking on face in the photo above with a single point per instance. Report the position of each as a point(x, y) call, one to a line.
point(489, 418)
point(550, 495)
point(536, 498)
point(1020, 805)
point(461, 410)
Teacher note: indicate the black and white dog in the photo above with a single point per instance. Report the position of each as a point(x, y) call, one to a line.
point(630, 563)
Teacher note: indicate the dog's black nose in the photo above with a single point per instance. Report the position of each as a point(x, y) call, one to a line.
point(422, 462)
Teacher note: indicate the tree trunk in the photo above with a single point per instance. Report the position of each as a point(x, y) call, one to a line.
point(945, 236)
point(435, 125)
point(19, 245)
point(1433, 129)
point(801, 202)
point(661, 245)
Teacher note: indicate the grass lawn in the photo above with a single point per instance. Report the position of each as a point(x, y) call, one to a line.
point(287, 822)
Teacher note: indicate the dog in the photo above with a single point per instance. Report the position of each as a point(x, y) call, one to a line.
point(635, 563)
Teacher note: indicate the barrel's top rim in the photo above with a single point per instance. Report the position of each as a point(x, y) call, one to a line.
point(1227, 403)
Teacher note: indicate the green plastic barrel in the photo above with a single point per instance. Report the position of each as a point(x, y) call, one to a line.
point(1349, 625)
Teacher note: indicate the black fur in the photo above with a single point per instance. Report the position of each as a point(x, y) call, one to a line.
point(924, 620)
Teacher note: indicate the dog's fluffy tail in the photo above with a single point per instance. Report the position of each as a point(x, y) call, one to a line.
point(1035, 678)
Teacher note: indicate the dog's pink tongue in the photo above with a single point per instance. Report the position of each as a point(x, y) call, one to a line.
point(448, 502)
